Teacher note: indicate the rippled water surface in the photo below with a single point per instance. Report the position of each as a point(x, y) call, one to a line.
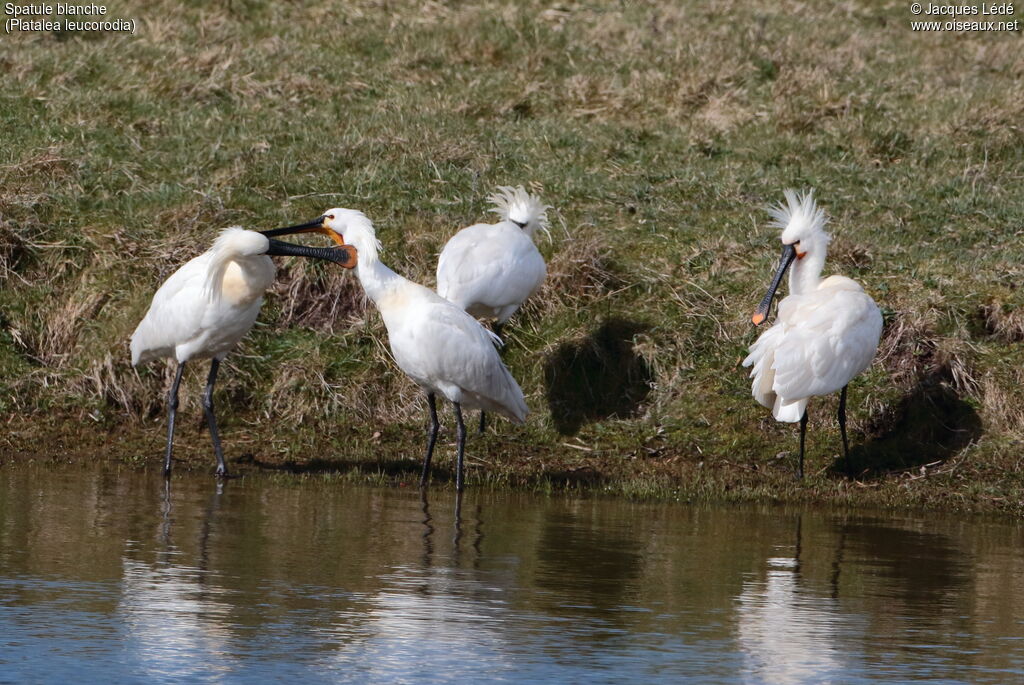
point(109, 577)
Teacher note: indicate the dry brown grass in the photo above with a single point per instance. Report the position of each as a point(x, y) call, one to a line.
point(1003, 320)
point(580, 271)
point(320, 299)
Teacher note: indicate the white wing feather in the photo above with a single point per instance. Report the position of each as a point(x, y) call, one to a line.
point(445, 349)
point(490, 270)
point(188, 316)
point(172, 315)
point(818, 344)
point(829, 345)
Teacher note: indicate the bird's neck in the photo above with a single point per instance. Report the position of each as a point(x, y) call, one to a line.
point(376, 278)
point(805, 275)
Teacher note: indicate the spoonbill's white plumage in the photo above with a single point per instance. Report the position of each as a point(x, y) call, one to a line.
point(491, 269)
point(826, 331)
point(437, 344)
point(207, 305)
point(204, 309)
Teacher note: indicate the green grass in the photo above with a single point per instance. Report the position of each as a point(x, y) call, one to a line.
point(658, 131)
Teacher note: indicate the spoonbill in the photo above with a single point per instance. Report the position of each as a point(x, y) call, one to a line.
point(491, 269)
point(436, 343)
point(826, 331)
point(206, 307)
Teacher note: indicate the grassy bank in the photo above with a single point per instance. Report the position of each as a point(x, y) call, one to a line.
point(657, 132)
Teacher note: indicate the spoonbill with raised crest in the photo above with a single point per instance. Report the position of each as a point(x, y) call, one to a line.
point(491, 269)
point(826, 331)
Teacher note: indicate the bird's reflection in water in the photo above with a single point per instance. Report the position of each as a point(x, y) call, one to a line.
point(174, 619)
point(457, 537)
point(477, 532)
point(428, 529)
point(459, 532)
point(437, 605)
point(787, 632)
point(165, 515)
point(212, 508)
point(478, 536)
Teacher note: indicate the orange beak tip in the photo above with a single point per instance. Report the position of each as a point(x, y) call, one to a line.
point(757, 318)
point(353, 256)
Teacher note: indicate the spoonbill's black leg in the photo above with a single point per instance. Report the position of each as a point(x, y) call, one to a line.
point(496, 327)
point(803, 433)
point(211, 420)
point(431, 439)
point(461, 438)
point(842, 429)
point(172, 410)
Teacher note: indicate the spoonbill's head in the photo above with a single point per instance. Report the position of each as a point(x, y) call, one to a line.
point(522, 209)
point(332, 223)
point(352, 227)
point(802, 223)
point(803, 237)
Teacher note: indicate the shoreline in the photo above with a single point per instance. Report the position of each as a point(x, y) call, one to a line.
point(501, 461)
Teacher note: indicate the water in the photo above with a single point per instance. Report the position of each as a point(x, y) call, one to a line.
point(105, 576)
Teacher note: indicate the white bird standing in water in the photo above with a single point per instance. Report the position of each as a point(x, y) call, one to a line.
point(491, 269)
point(826, 331)
point(206, 307)
point(437, 344)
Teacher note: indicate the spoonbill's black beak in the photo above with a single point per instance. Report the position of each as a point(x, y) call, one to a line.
point(344, 255)
point(316, 224)
point(761, 313)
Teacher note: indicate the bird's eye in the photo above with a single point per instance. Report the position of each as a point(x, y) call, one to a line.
point(331, 217)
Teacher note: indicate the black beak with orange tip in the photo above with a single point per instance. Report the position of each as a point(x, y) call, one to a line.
point(761, 313)
point(344, 255)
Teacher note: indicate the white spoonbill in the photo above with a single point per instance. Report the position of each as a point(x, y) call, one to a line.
point(206, 307)
point(439, 346)
point(491, 269)
point(826, 331)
